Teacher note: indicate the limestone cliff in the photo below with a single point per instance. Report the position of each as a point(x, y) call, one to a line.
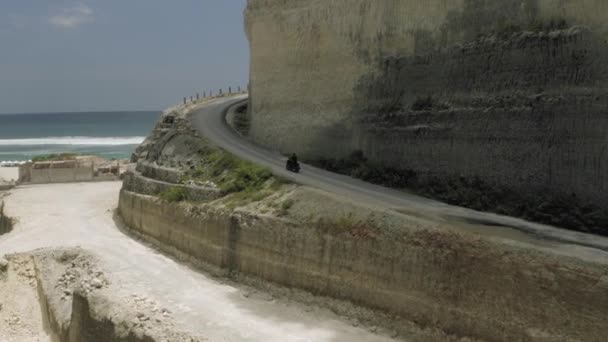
point(420, 277)
point(510, 92)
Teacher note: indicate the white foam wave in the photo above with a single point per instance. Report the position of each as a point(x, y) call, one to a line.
point(77, 141)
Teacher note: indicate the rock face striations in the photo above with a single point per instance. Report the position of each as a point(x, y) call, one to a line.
point(510, 93)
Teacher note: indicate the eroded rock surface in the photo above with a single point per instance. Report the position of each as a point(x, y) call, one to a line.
point(507, 93)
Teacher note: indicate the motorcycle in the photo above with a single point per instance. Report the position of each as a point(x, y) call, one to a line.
point(292, 166)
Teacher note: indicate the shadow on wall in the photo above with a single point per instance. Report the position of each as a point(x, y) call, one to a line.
point(6, 223)
point(509, 122)
point(562, 210)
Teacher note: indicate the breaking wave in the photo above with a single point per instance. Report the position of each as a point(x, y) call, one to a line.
point(75, 141)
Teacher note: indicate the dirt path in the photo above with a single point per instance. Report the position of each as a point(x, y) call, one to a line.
point(69, 215)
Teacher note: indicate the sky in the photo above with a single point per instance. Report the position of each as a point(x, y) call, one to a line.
point(106, 55)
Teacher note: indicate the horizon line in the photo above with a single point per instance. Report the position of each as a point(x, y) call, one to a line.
point(85, 112)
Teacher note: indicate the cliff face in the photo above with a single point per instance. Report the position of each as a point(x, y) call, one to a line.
point(512, 92)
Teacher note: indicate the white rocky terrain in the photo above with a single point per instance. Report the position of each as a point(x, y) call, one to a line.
point(67, 252)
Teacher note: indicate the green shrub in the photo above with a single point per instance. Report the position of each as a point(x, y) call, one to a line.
point(55, 157)
point(174, 194)
point(221, 161)
point(286, 205)
point(249, 182)
point(246, 177)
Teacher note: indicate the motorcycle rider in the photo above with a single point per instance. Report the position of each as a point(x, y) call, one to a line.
point(292, 163)
point(294, 159)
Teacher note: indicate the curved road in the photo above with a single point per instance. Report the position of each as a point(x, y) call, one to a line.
point(210, 121)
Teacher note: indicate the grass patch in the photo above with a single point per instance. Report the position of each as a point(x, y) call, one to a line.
point(244, 181)
point(286, 205)
point(174, 194)
point(246, 177)
point(231, 173)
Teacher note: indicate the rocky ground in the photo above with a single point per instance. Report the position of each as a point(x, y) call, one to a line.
point(21, 317)
point(141, 293)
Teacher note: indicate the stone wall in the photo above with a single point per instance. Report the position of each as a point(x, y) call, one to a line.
point(459, 284)
point(77, 174)
point(136, 182)
point(510, 91)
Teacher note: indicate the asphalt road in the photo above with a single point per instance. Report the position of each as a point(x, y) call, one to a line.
point(210, 121)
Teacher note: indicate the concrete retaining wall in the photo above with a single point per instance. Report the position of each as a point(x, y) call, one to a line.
point(42, 176)
point(460, 284)
point(165, 174)
point(135, 182)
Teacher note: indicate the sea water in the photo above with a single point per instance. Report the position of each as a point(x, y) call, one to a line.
point(105, 134)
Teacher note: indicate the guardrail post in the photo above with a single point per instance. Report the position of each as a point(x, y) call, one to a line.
point(185, 100)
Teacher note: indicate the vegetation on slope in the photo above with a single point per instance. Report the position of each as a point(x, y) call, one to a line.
point(239, 180)
point(55, 157)
point(174, 194)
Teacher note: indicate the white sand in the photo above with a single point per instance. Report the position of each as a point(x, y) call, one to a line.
point(66, 215)
point(9, 173)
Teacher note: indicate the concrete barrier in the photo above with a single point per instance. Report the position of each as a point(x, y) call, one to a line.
point(56, 175)
point(462, 284)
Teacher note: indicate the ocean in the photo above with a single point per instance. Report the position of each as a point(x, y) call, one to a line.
point(105, 134)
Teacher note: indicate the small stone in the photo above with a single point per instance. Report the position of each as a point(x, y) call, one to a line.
point(97, 283)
